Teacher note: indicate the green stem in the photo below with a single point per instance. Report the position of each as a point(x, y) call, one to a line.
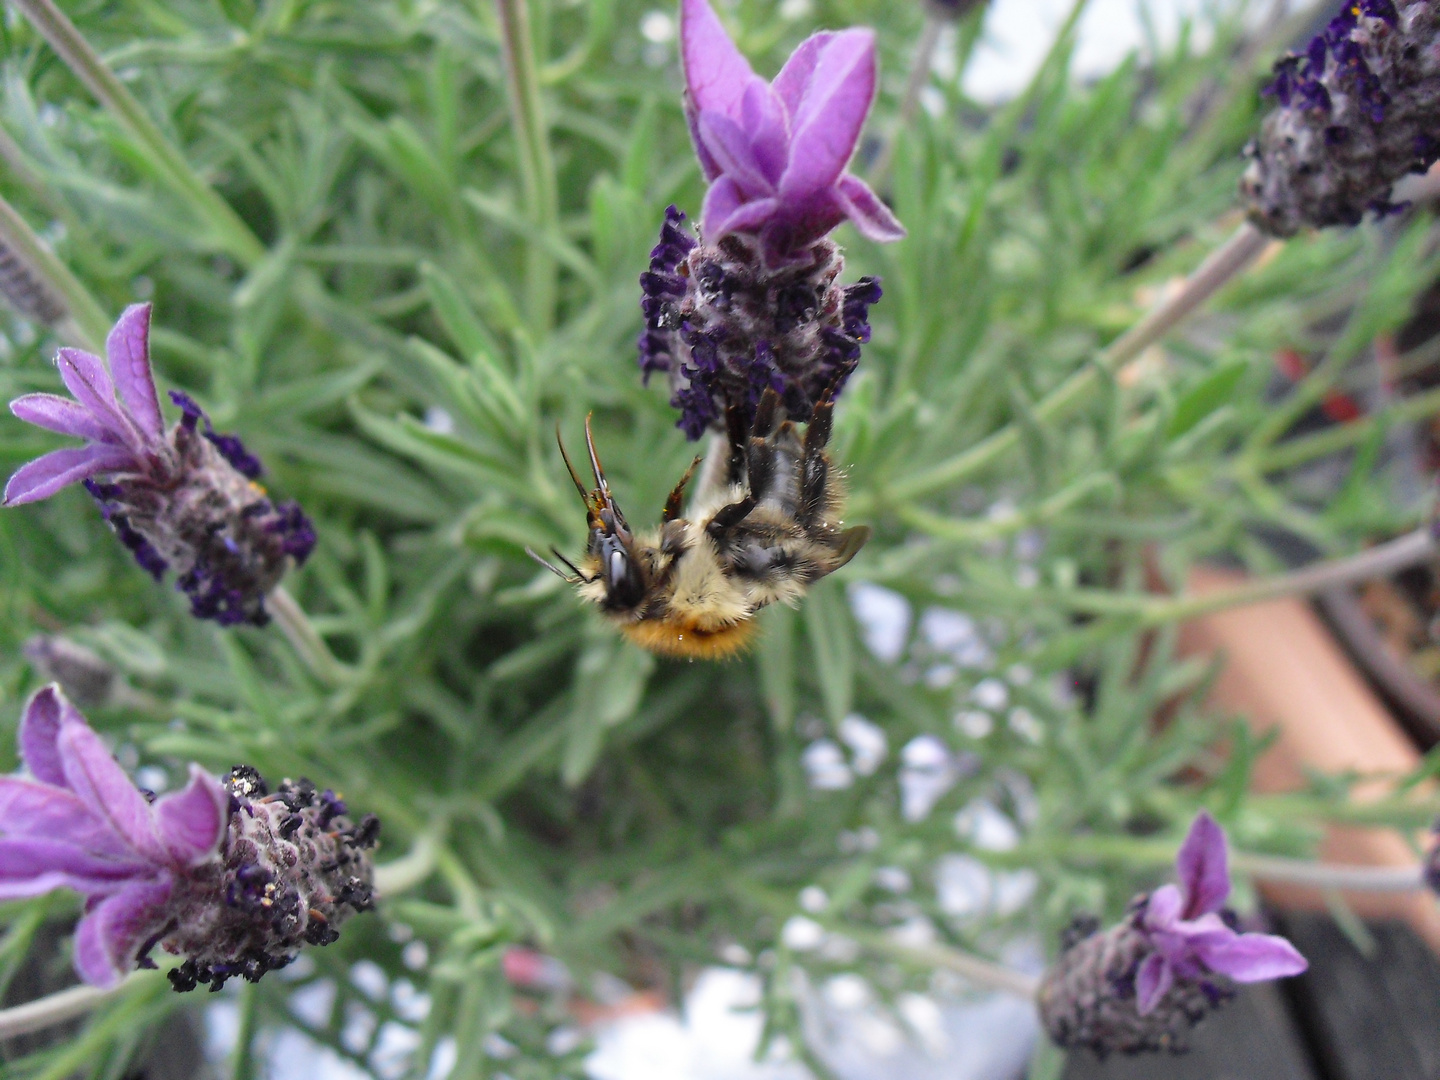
point(231, 234)
point(84, 322)
point(408, 871)
point(242, 1058)
point(61, 1006)
point(1378, 561)
point(1223, 264)
point(1152, 610)
point(1383, 879)
point(305, 639)
point(1279, 869)
point(537, 166)
point(979, 971)
point(1297, 451)
point(919, 75)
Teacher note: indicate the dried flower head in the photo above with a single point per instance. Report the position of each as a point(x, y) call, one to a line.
point(230, 878)
point(754, 303)
point(1175, 957)
point(1358, 110)
point(185, 500)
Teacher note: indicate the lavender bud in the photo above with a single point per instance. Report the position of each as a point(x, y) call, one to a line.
point(292, 869)
point(726, 326)
point(27, 290)
point(1359, 110)
point(1088, 996)
point(85, 676)
point(952, 10)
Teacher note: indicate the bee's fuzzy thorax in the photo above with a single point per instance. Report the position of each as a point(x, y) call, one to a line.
point(764, 525)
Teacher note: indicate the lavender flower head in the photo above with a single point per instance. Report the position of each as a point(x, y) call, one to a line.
point(1359, 110)
point(186, 499)
point(230, 879)
point(1175, 957)
point(753, 304)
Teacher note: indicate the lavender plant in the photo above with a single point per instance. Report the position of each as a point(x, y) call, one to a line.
point(393, 246)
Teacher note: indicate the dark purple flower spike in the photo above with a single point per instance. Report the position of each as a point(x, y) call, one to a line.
point(233, 883)
point(754, 304)
point(184, 500)
point(1359, 109)
point(1142, 984)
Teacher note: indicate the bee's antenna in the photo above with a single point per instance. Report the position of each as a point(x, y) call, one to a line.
point(595, 462)
point(579, 574)
point(555, 569)
point(584, 495)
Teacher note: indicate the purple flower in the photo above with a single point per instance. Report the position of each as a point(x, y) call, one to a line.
point(78, 822)
point(1189, 934)
point(1175, 957)
point(775, 153)
point(1358, 110)
point(184, 499)
point(225, 875)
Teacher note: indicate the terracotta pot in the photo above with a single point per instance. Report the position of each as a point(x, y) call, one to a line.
point(1286, 673)
point(1414, 701)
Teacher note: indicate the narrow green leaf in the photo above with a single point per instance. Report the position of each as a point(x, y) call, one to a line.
point(832, 648)
point(1202, 399)
point(775, 657)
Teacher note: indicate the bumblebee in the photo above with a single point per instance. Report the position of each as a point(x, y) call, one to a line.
point(763, 526)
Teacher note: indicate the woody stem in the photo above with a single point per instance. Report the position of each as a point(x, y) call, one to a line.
point(61, 1006)
point(304, 638)
point(1385, 879)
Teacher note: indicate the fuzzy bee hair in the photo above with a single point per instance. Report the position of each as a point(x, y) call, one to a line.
point(763, 526)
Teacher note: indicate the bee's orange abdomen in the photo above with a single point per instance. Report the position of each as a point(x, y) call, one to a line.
point(670, 637)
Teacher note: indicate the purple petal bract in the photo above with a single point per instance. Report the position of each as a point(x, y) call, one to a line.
point(128, 350)
point(108, 937)
point(39, 730)
point(47, 474)
point(1203, 867)
point(102, 785)
point(61, 415)
point(190, 822)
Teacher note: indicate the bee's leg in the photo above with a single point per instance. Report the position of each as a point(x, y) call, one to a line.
point(677, 494)
point(727, 517)
point(738, 440)
point(760, 455)
point(767, 414)
point(814, 465)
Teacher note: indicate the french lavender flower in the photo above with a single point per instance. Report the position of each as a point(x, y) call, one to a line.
point(186, 499)
point(230, 878)
point(1359, 110)
point(1177, 955)
point(753, 304)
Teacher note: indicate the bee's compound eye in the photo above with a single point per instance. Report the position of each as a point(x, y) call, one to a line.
point(624, 581)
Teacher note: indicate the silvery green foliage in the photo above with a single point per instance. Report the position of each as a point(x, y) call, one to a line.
point(436, 292)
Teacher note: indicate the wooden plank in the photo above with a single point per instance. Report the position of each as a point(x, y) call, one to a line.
point(1252, 1038)
point(1367, 1018)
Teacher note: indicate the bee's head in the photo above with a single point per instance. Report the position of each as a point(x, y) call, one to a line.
point(613, 554)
